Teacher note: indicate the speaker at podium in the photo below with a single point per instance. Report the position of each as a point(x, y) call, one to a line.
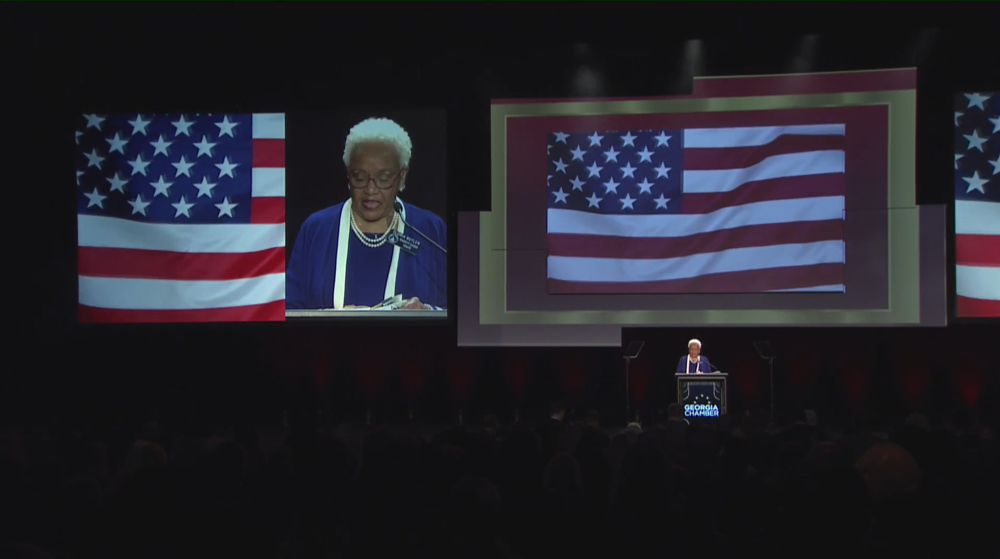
point(702, 396)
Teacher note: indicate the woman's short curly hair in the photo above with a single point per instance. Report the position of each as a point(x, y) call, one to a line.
point(379, 130)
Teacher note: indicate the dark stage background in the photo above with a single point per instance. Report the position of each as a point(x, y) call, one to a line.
point(456, 57)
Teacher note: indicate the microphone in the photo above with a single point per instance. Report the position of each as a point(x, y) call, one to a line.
point(399, 210)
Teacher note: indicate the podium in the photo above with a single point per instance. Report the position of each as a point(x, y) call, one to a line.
point(703, 396)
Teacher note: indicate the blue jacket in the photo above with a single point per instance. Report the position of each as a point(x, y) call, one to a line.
point(312, 267)
point(703, 362)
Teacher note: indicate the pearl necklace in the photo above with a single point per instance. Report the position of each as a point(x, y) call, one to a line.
point(377, 241)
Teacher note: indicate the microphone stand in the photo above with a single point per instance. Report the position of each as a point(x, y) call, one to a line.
point(771, 364)
point(627, 408)
point(630, 353)
point(399, 211)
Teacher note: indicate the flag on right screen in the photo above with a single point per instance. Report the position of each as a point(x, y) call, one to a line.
point(977, 204)
point(725, 210)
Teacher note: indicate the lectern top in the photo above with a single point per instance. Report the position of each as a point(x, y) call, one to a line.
point(633, 349)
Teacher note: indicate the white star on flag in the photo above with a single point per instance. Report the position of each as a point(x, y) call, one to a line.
point(183, 167)
point(94, 121)
point(976, 100)
point(139, 126)
point(161, 187)
point(138, 205)
point(204, 147)
point(160, 146)
point(117, 144)
point(975, 140)
point(204, 187)
point(182, 127)
point(627, 202)
point(95, 199)
point(226, 208)
point(975, 183)
point(226, 127)
point(182, 207)
point(226, 168)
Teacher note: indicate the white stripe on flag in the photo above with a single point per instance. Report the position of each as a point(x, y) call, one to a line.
point(977, 218)
point(569, 268)
point(774, 167)
point(149, 294)
point(753, 136)
point(111, 232)
point(269, 126)
point(978, 282)
point(268, 181)
point(681, 225)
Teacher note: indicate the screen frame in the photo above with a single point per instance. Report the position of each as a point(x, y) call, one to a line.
point(904, 303)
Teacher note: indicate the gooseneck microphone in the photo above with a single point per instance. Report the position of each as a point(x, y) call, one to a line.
point(399, 211)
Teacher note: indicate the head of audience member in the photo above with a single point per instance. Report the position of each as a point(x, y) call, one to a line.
point(889, 471)
point(592, 419)
point(557, 411)
point(377, 156)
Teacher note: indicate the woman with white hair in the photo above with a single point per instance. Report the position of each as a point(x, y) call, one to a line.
point(694, 362)
point(350, 255)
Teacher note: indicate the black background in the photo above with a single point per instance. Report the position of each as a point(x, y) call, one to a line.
point(315, 176)
point(262, 57)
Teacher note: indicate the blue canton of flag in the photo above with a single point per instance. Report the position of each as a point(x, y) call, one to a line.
point(165, 168)
point(977, 147)
point(616, 173)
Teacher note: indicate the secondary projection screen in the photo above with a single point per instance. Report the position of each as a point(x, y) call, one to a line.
point(757, 200)
point(977, 205)
point(259, 217)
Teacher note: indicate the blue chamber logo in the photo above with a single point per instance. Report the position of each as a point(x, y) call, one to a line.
point(701, 407)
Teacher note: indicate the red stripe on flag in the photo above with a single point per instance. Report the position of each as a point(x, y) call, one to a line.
point(785, 188)
point(152, 264)
point(601, 246)
point(267, 209)
point(977, 250)
point(711, 159)
point(268, 153)
point(268, 312)
point(976, 308)
point(794, 277)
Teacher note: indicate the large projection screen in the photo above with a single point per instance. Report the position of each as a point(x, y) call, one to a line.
point(883, 231)
point(201, 217)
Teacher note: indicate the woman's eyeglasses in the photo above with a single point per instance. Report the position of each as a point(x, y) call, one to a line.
point(384, 180)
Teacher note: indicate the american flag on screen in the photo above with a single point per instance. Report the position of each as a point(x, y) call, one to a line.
point(180, 218)
point(977, 204)
point(725, 210)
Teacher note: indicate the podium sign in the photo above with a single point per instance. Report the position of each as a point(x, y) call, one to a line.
point(703, 395)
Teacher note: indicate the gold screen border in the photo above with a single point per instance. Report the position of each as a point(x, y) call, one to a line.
point(903, 218)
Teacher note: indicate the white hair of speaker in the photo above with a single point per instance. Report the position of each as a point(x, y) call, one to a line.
point(381, 130)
